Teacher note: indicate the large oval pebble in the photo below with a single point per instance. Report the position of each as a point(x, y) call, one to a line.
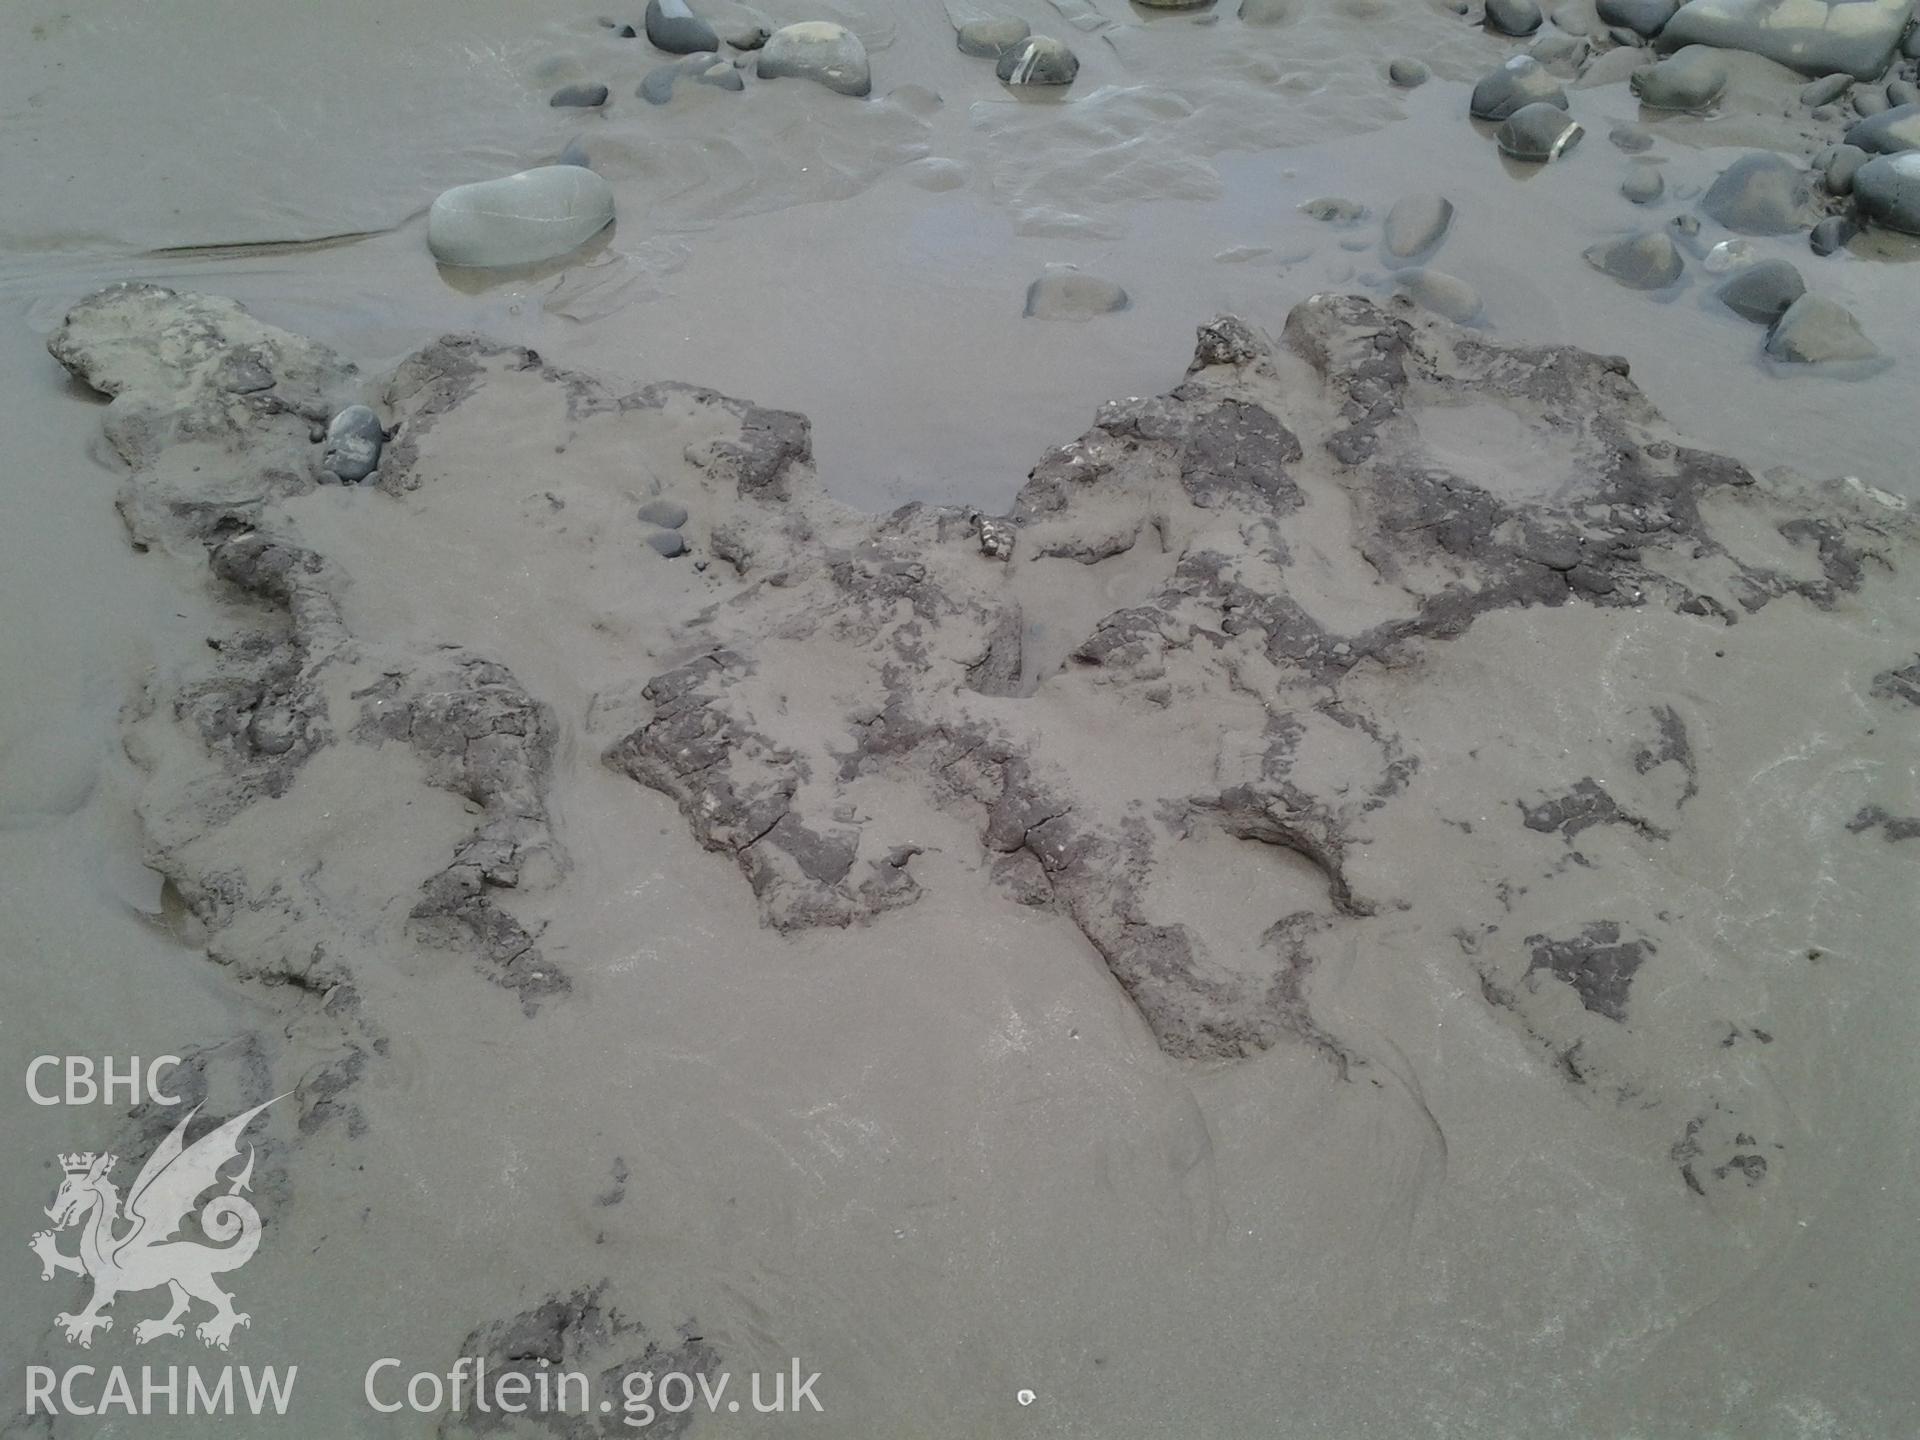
point(519, 219)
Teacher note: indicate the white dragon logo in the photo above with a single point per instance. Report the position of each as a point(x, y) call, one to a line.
point(147, 1255)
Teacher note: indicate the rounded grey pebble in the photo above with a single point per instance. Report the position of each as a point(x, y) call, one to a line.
point(1644, 184)
point(1538, 133)
point(1070, 295)
point(1648, 261)
point(1415, 225)
point(1841, 167)
point(674, 28)
point(817, 50)
point(668, 543)
point(989, 37)
point(1825, 90)
point(1446, 295)
point(1408, 73)
point(1902, 92)
point(1335, 209)
point(1566, 51)
point(746, 35)
point(657, 87)
point(1689, 79)
point(1038, 60)
point(739, 25)
point(1763, 292)
point(1868, 102)
point(578, 97)
point(667, 514)
point(1521, 81)
point(1761, 194)
point(354, 439)
point(1513, 17)
point(1815, 329)
point(1642, 17)
point(1832, 233)
point(1886, 191)
point(1631, 139)
point(1888, 132)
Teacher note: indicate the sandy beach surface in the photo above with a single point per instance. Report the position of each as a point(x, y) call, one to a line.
point(1164, 756)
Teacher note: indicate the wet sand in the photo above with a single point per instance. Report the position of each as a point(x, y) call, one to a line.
point(944, 1155)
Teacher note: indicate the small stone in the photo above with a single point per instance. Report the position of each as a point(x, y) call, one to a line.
point(1815, 330)
point(1070, 295)
point(1868, 101)
point(1538, 132)
point(1644, 184)
point(1513, 17)
point(657, 87)
point(578, 97)
point(1335, 210)
point(1521, 81)
point(1631, 139)
point(354, 438)
point(1557, 49)
point(997, 537)
point(1763, 293)
point(1886, 191)
point(990, 37)
point(674, 28)
point(1689, 79)
point(667, 514)
point(1643, 17)
point(1842, 165)
point(1270, 12)
point(1446, 295)
point(1762, 194)
point(1832, 233)
point(741, 26)
point(519, 219)
point(668, 543)
point(1825, 90)
point(817, 50)
point(1728, 256)
point(1408, 73)
point(1888, 132)
point(1038, 60)
point(1648, 261)
point(1902, 93)
point(1415, 225)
